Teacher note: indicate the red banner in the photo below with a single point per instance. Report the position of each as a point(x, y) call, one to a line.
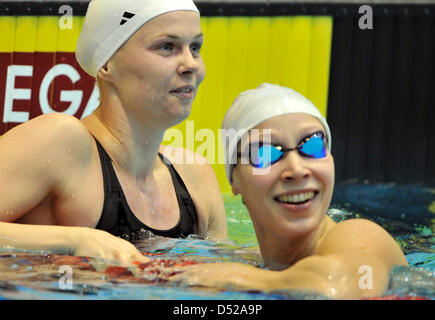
point(37, 83)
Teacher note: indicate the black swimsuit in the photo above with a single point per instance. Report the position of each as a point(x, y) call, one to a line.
point(117, 217)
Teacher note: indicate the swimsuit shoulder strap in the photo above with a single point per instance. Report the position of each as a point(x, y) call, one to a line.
point(187, 207)
point(111, 182)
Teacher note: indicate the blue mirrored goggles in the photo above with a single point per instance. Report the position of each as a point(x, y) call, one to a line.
point(264, 155)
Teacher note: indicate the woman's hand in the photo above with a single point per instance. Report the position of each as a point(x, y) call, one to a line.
point(234, 276)
point(101, 244)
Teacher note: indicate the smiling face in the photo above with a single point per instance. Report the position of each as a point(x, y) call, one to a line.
point(290, 198)
point(158, 70)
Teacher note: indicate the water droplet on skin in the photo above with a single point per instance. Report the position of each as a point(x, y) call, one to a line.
point(73, 196)
point(49, 161)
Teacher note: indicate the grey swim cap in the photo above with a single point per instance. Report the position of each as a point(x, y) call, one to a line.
point(254, 106)
point(110, 23)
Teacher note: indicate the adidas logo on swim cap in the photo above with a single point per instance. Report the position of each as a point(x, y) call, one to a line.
point(126, 16)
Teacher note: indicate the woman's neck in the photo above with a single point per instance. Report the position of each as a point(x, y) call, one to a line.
point(131, 143)
point(280, 254)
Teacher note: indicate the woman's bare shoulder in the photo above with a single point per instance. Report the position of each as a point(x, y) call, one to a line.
point(47, 156)
point(361, 235)
point(359, 226)
point(356, 232)
point(51, 133)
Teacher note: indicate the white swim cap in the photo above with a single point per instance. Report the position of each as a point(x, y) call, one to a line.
point(110, 23)
point(252, 107)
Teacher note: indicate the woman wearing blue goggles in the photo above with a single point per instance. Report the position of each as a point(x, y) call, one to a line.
point(288, 206)
point(264, 155)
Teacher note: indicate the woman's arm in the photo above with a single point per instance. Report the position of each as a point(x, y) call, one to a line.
point(37, 159)
point(78, 241)
point(360, 256)
point(327, 276)
point(353, 261)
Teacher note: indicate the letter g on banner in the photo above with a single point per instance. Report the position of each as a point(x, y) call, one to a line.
point(73, 96)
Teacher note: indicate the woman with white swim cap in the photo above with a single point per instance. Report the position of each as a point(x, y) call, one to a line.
point(60, 178)
point(284, 171)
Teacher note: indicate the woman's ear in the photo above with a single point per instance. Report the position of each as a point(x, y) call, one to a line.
point(235, 182)
point(104, 73)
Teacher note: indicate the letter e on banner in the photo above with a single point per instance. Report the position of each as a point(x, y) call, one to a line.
point(13, 93)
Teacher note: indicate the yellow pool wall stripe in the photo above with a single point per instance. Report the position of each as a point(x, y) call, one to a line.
point(25, 34)
point(320, 53)
point(7, 30)
point(46, 38)
point(67, 38)
point(239, 53)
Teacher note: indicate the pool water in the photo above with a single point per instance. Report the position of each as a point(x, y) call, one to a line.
point(406, 212)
